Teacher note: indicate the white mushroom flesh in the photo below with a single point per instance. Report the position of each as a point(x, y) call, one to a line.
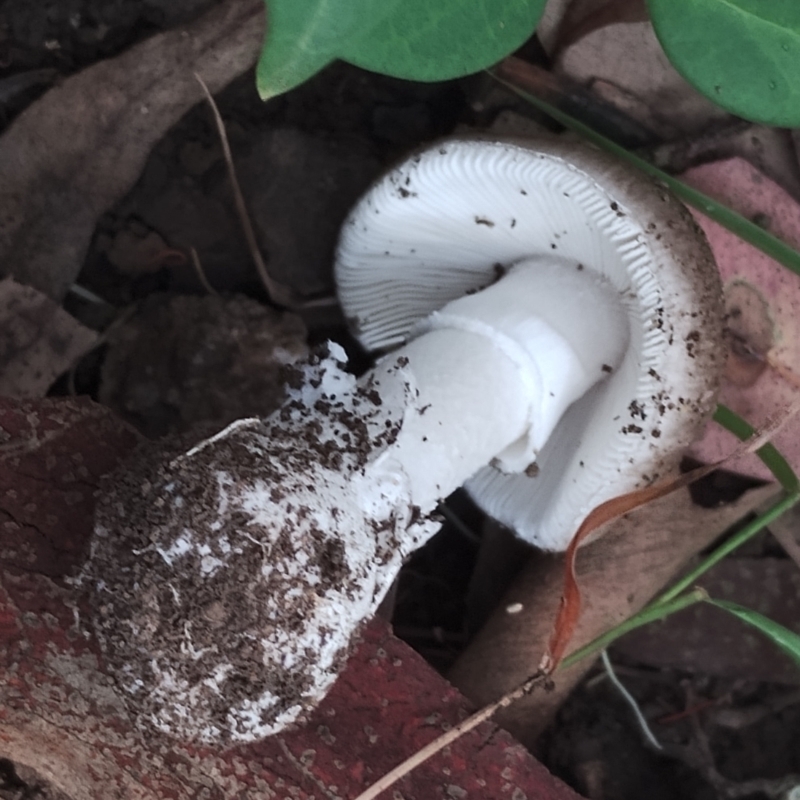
point(448, 220)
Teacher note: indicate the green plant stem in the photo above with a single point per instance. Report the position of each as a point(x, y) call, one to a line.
point(649, 614)
point(749, 530)
point(728, 218)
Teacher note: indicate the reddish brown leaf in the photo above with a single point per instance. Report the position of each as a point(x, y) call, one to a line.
point(569, 610)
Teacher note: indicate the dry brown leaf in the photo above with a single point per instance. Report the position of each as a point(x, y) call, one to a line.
point(624, 63)
point(584, 16)
point(182, 361)
point(38, 341)
point(76, 151)
point(569, 610)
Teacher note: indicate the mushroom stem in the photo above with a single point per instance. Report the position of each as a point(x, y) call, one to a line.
point(231, 579)
point(492, 373)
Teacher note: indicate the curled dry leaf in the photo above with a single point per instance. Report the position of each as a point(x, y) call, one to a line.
point(38, 341)
point(570, 608)
point(77, 150)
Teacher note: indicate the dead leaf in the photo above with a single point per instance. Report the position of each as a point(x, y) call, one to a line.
point(38, 341)
point(584, 16)
point(770, 150)
point(570, 608)
point(641, 83)
point(762, 304)
point(574, 99)
point(77, 150)
point(636, 557)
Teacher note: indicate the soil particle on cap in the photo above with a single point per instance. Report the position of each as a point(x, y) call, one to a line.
point(636, 409)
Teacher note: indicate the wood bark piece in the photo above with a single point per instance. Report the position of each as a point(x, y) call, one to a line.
point(63, 719)
point(76, 151)
point(632, 561)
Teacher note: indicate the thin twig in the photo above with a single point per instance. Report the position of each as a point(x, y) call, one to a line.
point(198, 268)
point(431, 749)
point(278, 293)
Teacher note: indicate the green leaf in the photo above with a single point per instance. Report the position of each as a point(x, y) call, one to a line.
point(422, 40)
point(744, 55)
point(787, 640)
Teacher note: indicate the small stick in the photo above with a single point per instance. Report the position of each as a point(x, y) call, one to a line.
point(431, 749)
point(198, 267)
point(278, 293)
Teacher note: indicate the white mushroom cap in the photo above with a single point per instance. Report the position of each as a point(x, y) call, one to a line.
point(451, 219)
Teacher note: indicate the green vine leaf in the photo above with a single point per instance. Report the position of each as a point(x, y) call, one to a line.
point(744, 55)
point(787, 640)
point(422, 40)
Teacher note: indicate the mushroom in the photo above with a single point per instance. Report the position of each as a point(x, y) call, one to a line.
point(557, 326)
